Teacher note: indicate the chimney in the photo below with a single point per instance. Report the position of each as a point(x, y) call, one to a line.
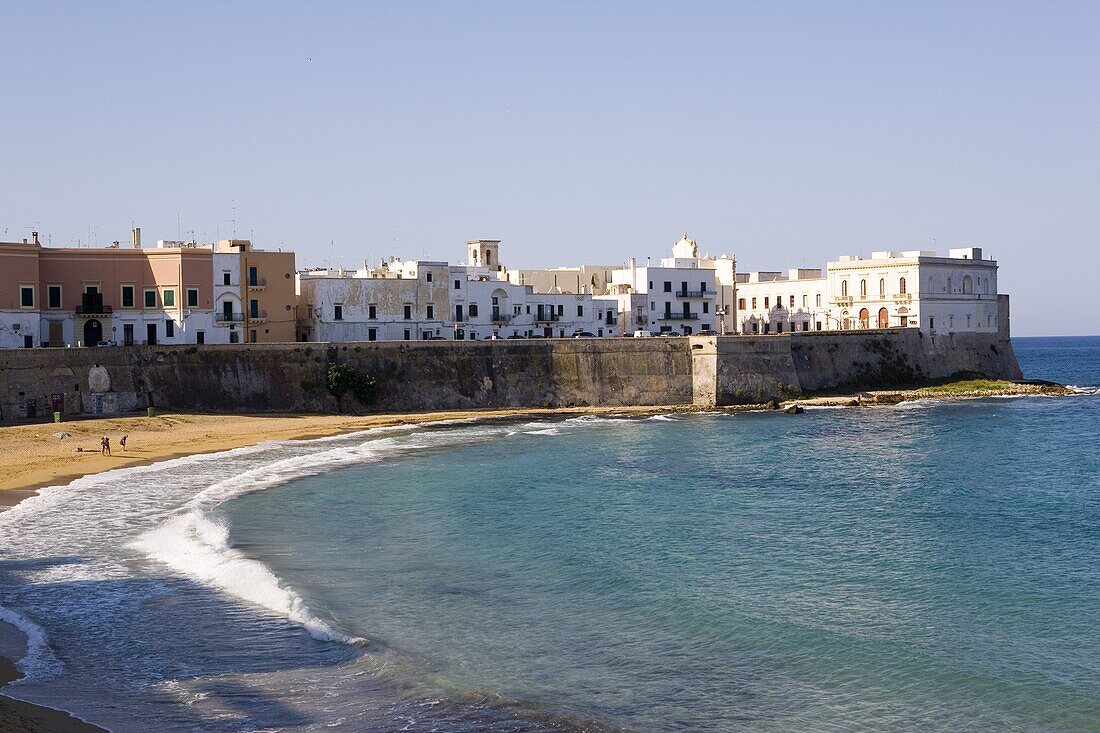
point(135, 236)
point(34, 238)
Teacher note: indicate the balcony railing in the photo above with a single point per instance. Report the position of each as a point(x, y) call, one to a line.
point(680, 316)
point(694, 293)
point(257, 315)
point(94, 310)
point(844, 300)
point(902, 297)
point(502, 318)
point(257, 283)
point(229, 318)
point(547, 318)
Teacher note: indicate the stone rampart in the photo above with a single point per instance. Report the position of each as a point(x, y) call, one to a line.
point(444, 375)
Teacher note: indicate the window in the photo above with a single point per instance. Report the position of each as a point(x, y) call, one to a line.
point(252, 336)
point(225, 277)
point(706, 308)
point(169, 328)
point(150, 298)
point(741, 304)
point(844, 289)
point(651, 285)
point(253, 277)
point(779, 328)
point(756, 328)
point(200, 337)
point(428, 277)
point(792, 301)
point(337, 312)
point(169, 298)
point(805, 325)
point(580, 311)
point(408, 312)
point(431, 312)
point(458, 284)
point(882, 287)
point(818, 324)
point(26, 296)
point(805, 301)
point(668, 286)
point(931, 322)
point(53, 296)
point(372, 334)
point(901, 286)
point(408, 335)
point(253, 309)
point(863, 288)
point(127, 296)
point(192, 297)
point(767, 328)
point(703, 289)
point(817, 302)
point(372, 312)
point(561, 310)
point(767, 301)
point(473, 310)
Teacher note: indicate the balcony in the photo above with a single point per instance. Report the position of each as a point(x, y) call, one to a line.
point(844, 300)
point(686, 316)
point(902, 298)
point(501, 318)
point(229, 318)
point(257, 283)
point(94, 310)
point(257, 316)
point(694, 293)
point(547, 318)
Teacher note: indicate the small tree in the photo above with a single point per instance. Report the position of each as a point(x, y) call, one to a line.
point(342, 378)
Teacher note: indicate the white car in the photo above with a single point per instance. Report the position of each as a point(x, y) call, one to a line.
point(642, 334)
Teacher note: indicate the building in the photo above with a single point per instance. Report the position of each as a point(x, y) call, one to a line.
point(67, 296)
point(912, 289)
point(686, 294)
point(413, 300)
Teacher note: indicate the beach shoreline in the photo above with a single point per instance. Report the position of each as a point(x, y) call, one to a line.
point(34, 457)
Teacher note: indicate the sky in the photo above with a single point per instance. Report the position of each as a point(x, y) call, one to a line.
point(783, 133)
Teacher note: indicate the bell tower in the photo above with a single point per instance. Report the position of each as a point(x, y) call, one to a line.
point(484, 253)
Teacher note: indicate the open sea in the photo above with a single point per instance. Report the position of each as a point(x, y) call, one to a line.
point(933, 566)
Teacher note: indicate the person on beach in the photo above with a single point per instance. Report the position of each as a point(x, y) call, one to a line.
point(106, 446)
point(122, 441)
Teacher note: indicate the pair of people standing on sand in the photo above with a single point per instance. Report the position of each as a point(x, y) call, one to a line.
point(105, 445)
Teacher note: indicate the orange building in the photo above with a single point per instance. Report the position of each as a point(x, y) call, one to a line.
point(176, 293)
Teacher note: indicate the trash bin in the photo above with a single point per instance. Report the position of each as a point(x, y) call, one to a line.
point(57, 417)
point(151, 412)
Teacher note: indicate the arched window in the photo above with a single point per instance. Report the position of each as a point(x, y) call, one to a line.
point(901, 286)
point(488, 257)
point(882, 287)
point(863, 288)
point(844, 289)
point(968, 284)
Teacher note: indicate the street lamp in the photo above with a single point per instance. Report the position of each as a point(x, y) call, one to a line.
point(721, 313)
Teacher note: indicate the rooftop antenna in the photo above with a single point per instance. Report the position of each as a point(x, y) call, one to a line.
point(234, 219)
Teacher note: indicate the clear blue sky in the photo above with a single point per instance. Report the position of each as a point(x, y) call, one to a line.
point(784, 133)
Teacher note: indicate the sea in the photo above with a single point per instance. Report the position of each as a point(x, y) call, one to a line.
point(930, 566)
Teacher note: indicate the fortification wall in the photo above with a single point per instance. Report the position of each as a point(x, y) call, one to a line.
point(442, 375)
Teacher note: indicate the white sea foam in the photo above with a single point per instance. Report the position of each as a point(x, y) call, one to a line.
point(197, 546)
point(544, 431)
point(39, 662)
point(662, 418)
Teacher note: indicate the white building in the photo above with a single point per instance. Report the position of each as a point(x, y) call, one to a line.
point(912, 289)
point(407, 300)
point(685, 294)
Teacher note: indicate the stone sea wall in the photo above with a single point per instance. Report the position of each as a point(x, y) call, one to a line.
point(443, 375)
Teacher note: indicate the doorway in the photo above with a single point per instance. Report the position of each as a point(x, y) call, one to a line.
point(57, 333)
point(864, 318)
point(883, 318)
point(93, 332)
point(151, 333)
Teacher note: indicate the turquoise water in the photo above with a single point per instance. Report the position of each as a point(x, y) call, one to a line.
point(930, 566)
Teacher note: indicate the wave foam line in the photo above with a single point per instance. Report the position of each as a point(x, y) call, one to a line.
point(197, 546)
point(39, 662)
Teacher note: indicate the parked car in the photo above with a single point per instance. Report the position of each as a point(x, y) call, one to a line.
point(642, 333)
point(584, 335)
point(517, 336)
point(705, 332)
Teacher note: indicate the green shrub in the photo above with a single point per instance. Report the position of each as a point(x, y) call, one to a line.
point(343, 378)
